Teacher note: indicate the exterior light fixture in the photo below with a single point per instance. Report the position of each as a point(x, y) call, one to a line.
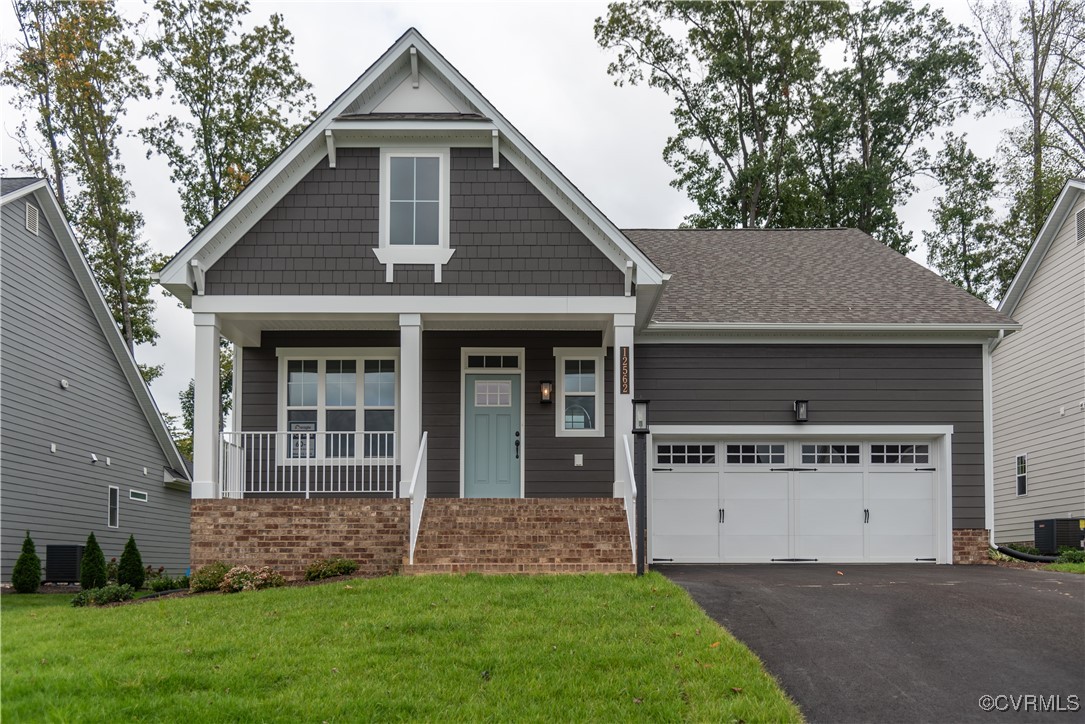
point(801, 410)
point(640, 416)
point(546, 392)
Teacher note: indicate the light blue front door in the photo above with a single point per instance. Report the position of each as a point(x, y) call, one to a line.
point(492, 440)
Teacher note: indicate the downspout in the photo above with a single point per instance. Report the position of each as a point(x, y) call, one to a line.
point(989, 439)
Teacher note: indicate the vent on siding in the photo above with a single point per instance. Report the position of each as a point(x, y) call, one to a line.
point(1081, 226)
point(32, 219)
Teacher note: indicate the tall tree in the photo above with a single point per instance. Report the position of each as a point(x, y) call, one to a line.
point(76, 67)
point(907, 72)
point(1036, 54)
point(242, 97)
point(962, 246)
point(739, 74)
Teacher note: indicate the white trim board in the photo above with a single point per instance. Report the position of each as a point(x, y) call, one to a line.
point(391, 304)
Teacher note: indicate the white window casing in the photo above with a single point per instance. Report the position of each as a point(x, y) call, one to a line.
point(580, 393)
point(138, 495)
point(328, 400)
point(390, 253)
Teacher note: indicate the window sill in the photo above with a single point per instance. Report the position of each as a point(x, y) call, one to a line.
point(562, 432)
point(438, 256)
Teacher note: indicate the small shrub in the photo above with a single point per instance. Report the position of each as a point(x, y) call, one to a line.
point(151, 573)
point(1071, 555)
point(330, 567)
point(26, 575)
point(209, 578)
point(243, 578)
point(111, 571)
point(166, 583)
point(130, 571)
point(92, 570)
point(103, 595)
point(1024, 548)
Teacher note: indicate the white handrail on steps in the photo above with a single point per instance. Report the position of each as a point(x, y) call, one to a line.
point(417, 493)
point(630, 494)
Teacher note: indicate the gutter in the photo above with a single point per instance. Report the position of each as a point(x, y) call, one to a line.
point(1000, 328)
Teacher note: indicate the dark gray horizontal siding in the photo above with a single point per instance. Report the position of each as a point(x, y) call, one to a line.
point(509, 239)
point(48, 333)
point(845, 384)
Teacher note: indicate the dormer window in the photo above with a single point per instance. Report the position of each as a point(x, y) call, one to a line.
point(414, 213)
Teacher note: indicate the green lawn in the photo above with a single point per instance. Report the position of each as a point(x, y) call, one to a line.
point(1066, 567)
point(559, 648)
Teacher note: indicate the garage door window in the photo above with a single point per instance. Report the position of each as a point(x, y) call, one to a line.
point(899, 454)
point(830, 454)
point(756, 454)
point(685, 454)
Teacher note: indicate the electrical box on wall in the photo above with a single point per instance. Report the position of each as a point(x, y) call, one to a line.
point(578, 460)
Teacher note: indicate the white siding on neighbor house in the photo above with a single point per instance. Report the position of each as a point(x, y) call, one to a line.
point(1036, 372)
point(49, 333)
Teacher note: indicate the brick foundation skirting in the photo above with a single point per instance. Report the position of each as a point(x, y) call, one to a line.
point(970, 545)
point(290, 534)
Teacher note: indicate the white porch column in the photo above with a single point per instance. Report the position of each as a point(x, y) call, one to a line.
point(410, 395)
point(206, 414)
point(623, 396)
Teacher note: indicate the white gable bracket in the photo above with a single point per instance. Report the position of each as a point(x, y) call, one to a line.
point(199, 276)
point(630, 268)
point(497, 148)
point(414, 67)
point(329, 136)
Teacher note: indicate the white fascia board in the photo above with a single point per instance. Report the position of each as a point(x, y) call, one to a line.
point(334, 305)
point(88, 284)
point(840, 339)
point(414, 126)
point(25, 190)
point(312, 136)
point(803, 430)
point(755, 327)
point(1063, 205)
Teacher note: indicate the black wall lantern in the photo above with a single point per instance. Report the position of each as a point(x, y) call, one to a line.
point(546, 392)
point(802, 410)
point(640, 416)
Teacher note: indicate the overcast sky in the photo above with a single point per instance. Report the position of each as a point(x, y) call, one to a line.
point(538, 63)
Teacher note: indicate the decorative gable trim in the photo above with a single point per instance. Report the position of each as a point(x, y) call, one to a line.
point(367, 92)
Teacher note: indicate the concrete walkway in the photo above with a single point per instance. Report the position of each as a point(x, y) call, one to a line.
point(907, 643)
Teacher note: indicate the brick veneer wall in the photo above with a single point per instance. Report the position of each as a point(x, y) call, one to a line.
point(970, 545)
point(290, 534)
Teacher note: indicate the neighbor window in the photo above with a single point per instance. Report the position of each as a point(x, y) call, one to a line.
point(328, 401)
point(1022, 474)
point(580, 393)
point(137, 495)
point(114, 506)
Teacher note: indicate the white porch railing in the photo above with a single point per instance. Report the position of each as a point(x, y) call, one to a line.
point(306, 463)
point(628, 491)
point(417, 492)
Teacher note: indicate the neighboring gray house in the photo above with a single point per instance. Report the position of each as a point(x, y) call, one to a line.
point(82, 445)
point(1039, 379)
point(426, 312)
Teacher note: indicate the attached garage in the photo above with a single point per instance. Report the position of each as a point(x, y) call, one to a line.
point(814, 498)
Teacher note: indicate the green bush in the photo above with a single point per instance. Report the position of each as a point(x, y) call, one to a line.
point(111, 570)
point(209, 578)
point(166, 583)
point(130, 571)
point(26, 575)
point(92, 572)
point(103, 595)
point(1071, 555)
point(330, 567)
point(243, 578)
point(1024, 548)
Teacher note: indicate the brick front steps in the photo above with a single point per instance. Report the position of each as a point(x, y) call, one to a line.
point(532, 535)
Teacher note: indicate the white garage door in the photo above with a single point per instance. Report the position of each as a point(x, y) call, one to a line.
point(725, 501)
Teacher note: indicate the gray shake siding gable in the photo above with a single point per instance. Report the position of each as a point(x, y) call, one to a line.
point(846, 384)
point(509, 239)
point(48, 333)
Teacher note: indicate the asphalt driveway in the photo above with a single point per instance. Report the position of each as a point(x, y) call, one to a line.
point(907, 643)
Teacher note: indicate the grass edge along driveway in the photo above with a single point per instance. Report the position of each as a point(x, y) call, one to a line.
point(564, 648)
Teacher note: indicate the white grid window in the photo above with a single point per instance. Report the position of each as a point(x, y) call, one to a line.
point(1022, 474)
point(579, 408)
point(759, 453)
point(685, 454)
point(830, 454)
point(493, 361)
point(899, 454)
point(497, 393)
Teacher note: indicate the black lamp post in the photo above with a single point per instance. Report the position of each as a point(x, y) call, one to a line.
point(640, 470)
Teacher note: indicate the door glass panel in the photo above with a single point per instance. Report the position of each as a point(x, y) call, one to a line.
point(496, 393)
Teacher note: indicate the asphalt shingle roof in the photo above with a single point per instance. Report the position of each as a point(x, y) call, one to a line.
point(799, 276)
point(10, 185)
